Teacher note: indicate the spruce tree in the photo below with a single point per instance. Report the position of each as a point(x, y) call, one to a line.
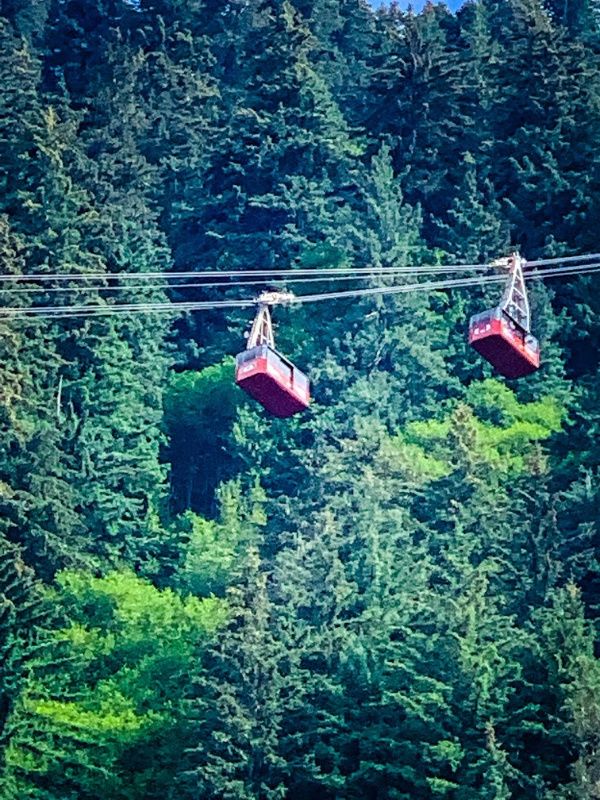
point(22, 619)
point(118, 364)
point(278, 154)
point(235, 715)
point(41, 509)
point(419, 108)
point(569, 644)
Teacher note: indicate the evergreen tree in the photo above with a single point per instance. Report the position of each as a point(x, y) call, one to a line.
point(579, 16)
point(534, 170)
point(419, 109)
point(40, 510)
point(410, 566)
point(346, 43)
point(570, 647)
point(278, 156)
point(236, 713)
point(118, 364)
point(22, 617)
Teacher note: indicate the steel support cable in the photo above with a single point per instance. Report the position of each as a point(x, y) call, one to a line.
point(216, 284)
point(403, 289)
point(266, 274)
point(198, 305)
point(272, 272)
point(561, 260)
point(453, 283)
point(54, 311)
point(57, 312)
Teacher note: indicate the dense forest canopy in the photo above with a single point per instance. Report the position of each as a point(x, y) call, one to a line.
point(416, 5)
point(392, 596)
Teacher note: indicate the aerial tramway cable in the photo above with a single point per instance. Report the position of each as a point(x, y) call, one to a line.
point(560, 260)
point(449, 284)
point(268, 273)
point(24, 290)
point(390, 272)
point(271, 273)
point(67, 311)
point(502, 334)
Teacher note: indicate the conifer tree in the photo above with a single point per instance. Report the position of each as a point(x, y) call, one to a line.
point(569, 642)
point(22, 616)
point(533, 169)
point(179, 77)
point(381, 341)
point(345, 50)
point(236, 711)
point(474, 233)
point(476, 542)
point(40, 511)
point(419, 109)
point(402, 623)
point(277, 156)
point(115, 399)
point(581, 17)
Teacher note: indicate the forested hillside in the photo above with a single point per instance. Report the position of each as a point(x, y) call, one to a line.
point(392, 596)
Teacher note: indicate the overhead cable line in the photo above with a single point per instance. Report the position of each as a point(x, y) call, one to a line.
point(176, 307)
point(66, 311)
point(272, 272)
point(453, 283)
point(560, 260)
point(218, 284)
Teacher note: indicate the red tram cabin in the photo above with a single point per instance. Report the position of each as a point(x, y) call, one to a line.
point(267, 376)
point(502, 334)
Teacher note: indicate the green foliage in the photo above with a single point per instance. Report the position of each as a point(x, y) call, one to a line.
point(123, 639)
point(392, 596)
point(505, 432)
point(236, 704)
point(215, 549)
point(23, 622)
point(200, 409)
point(569, 639)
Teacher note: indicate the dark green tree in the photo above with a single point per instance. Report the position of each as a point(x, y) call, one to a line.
point(23, 618)
point(117, 362)
point(235, 714)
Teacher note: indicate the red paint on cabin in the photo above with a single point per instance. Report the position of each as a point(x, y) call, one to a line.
point(512, 351)
point(274, 381)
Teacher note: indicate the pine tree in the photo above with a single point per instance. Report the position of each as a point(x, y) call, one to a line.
point(419, 109)
point(236, 711)
point(118, 363)
point(575, 669)
point(22, 617)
